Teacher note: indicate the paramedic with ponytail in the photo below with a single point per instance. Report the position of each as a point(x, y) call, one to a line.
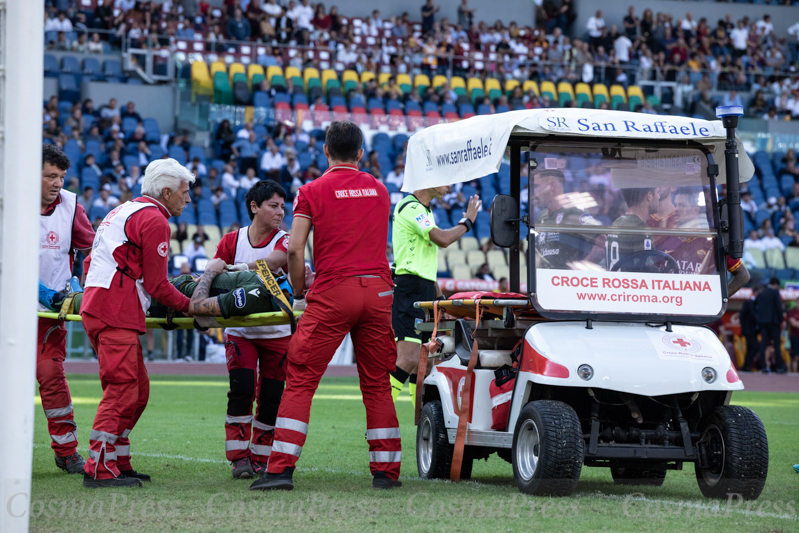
point(128, 267)
point(352, 293)
point(63, 229)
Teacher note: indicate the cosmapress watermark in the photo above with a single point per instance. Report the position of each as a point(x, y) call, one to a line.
point(420, 505)
point(318, 505)
point(637, 505)
point(117, 506)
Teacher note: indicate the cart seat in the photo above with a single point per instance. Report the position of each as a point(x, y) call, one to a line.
point(495, 358)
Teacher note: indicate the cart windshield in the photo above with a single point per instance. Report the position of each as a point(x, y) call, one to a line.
point(624, 230)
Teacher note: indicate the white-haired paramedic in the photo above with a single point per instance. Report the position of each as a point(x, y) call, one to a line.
point(128, 267)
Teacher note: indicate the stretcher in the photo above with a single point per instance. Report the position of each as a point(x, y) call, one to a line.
point(257, 319)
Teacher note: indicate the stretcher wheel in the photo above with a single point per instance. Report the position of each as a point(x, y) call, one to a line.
point(547, 453)
point(737, 453)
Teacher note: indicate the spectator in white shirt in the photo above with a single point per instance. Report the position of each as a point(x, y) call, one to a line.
point(229, 181)
point(272, 161)
point(244, 133)
point(771, 241)
point(248, 180)
point(197, 167)
point(302, 15)
point(770, 205)
point(375, 24)
point(748, 204)
point(739, 36)
point(688, 24)
point(396, 176)
point(595, 25)
point(194, 249)
point(218, 197)
point(622, 47)
point(60, 23)
point(106, 201)
point(753, 241)
point(764, 26)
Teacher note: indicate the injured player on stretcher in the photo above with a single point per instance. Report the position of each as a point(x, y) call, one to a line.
point(238, 293)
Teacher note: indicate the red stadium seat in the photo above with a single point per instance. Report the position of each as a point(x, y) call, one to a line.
point(378, 117)
point(451, 115)
point(396, 118)
point(340, 113)
point(321, 114)
point(359, 116)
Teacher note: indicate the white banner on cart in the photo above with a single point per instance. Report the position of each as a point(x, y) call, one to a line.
point(628, 292)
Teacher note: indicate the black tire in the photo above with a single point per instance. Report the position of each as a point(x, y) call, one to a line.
point(547, 453)
point(433, 450)
point(652, 477)
point(737, 449)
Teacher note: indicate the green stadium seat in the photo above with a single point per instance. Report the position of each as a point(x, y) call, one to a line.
point(477, 94)
point(615, 100)
point(222, 91)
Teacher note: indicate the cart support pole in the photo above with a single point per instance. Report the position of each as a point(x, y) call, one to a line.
point(516, 193)
point(729, 117)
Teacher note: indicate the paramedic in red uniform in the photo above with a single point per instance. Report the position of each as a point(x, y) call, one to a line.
point(128, 267)
point(352, 293)
point(259, 348)
point(63, 228)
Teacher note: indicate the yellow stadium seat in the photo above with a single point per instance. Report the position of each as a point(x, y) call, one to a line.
point(348, 75)
point(469, 243)
point(456, 82)
point(566, 87)
point(421, 79)
point(292, 72)
point(635, 90)
point(510, 85)
point(548, 88)
point(530, 84)
point(271, 71)
point(254, 69)
point(601, 93)
point(473, 83)
point(618, 90)
point(501, 271)
point(382, 78)
point(583, 88)
point(328, 74)
point(495, 257)
point(236, 68)
point(475, 258)
point(455, 256)
point(404, 79)
point(460, 271)
point(492, 83)
point(218, 66)
point(200, 79)
point(438, 81)
point(442, 260)
point(367, 75)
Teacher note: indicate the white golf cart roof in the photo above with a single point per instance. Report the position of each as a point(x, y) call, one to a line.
point(446, 154)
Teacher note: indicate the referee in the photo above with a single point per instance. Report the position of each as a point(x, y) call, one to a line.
point(416, 240)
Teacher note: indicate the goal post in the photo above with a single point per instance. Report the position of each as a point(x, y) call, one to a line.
point(21, 90)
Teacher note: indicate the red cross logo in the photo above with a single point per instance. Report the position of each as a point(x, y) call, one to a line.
point(163, 249)
point(681, 342)
point(52, 238)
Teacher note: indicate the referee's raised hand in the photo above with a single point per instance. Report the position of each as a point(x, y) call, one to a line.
point(474, 206)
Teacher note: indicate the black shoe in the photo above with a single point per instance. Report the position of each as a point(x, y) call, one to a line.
point(275, 481)
point(134, 474)
point(122, 481)
point(71, 464)
point(383, 482)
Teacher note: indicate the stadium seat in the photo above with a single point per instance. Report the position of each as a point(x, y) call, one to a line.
point(222, 91)
point(70, 65)
point(565, 92)
point(617, 96)
point(460, 271)
point(271, 72)
point(548, 90)
point(51, 68)
point(91, 69)
point(112, 69)
point(530, 84)
point(635, 97)
point(438, 81)
point(236, 68)
point(254, 70)
point(260, 99)
point(421, 82)
point(68, 88)
point(583, 94)
point(774, 258)
point(600, 94)
point(469, 243)
point(366, 76)
point(492, 84)
point(201, 83)
point(509, 86)
point(757, 257)
point(792, 257)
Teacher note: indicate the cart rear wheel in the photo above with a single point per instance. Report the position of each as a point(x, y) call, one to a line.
point(433, 450)
point(547, 451)
point(652, 477)
point(737, 453)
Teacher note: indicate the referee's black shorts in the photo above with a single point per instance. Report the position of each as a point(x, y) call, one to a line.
point(409, 289)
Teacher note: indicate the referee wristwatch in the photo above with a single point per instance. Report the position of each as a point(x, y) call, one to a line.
point(466, 222)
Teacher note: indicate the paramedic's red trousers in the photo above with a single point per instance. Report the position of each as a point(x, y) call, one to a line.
point(53, 389)
point(245, 357)
point(126, 389)
point(361, 306)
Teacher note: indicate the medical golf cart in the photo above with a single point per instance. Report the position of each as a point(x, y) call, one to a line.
point(600, 356)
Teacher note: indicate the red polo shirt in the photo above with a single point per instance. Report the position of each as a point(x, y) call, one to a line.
point(119, 306)
point(349, 210)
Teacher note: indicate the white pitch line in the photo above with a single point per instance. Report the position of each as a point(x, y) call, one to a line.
point(691, 505)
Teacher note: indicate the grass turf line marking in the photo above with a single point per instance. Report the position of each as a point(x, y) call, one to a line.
point(616, 497)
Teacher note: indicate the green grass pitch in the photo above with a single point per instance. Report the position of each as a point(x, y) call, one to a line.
point(180, 442)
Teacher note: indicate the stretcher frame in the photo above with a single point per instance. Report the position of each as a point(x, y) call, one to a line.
point(257, 319)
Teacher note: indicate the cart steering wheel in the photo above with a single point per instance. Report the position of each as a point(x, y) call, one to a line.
point(637, 262)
